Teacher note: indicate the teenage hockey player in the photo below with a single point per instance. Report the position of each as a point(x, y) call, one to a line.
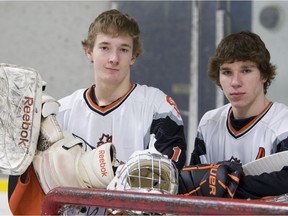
point(112, 110)
point(248, 128)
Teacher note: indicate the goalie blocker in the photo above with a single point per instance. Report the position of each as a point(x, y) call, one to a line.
point(20, 102)
point(30, 133)
point(214, 180)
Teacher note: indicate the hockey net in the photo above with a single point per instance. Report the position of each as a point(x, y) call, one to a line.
point(59, 197)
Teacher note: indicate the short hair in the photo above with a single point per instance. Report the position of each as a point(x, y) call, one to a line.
point(242, 46)
point(114, 23)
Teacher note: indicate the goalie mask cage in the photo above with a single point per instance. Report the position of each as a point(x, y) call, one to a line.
point(157, 203)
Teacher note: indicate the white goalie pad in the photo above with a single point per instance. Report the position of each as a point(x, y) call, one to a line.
point(68, 163)
point(57, 165)
point(20, 105)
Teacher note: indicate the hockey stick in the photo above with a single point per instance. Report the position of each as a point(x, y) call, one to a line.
point(274, 162)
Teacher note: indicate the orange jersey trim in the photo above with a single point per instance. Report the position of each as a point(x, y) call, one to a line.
point(107, 109)
point(249, 126)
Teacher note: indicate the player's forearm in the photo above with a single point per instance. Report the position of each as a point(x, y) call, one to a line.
point(255, 187)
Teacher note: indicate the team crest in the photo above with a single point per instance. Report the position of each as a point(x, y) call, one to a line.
point(106, 138)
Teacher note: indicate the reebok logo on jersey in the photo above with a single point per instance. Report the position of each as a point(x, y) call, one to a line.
point(26, 123)
point(102, 163)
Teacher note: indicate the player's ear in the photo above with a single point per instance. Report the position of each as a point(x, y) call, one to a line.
point(264, 79)
point(89, 54)
point(133, 60)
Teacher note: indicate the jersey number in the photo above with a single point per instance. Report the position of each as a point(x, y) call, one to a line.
point(177, 151)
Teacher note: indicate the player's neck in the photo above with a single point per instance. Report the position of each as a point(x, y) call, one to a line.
point(252, 109)
point(106, 95)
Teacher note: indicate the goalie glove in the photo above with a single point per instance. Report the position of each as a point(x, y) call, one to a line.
point(214, 180)
point(67, 163)
point(63, 160)
point(96, 166)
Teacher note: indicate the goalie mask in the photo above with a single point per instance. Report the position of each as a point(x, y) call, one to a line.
point(146, 171)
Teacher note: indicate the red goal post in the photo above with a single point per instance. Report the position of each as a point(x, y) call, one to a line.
point(157, 203)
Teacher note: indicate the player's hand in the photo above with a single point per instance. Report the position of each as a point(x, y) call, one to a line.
point(214, 180)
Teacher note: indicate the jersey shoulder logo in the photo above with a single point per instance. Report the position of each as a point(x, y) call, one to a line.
point(173, 104)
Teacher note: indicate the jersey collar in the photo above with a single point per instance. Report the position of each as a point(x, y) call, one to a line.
point(238, 133)
point(104, 110)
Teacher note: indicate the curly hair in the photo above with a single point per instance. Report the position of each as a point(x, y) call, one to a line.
point(113, 22)
point(242, 46)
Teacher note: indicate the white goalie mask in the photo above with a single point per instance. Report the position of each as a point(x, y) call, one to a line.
point(146, 171)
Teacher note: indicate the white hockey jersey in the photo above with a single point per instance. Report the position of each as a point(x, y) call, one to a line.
point(217, 140)
point(144, 117)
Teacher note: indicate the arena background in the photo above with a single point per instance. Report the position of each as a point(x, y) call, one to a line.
point(178, 37)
